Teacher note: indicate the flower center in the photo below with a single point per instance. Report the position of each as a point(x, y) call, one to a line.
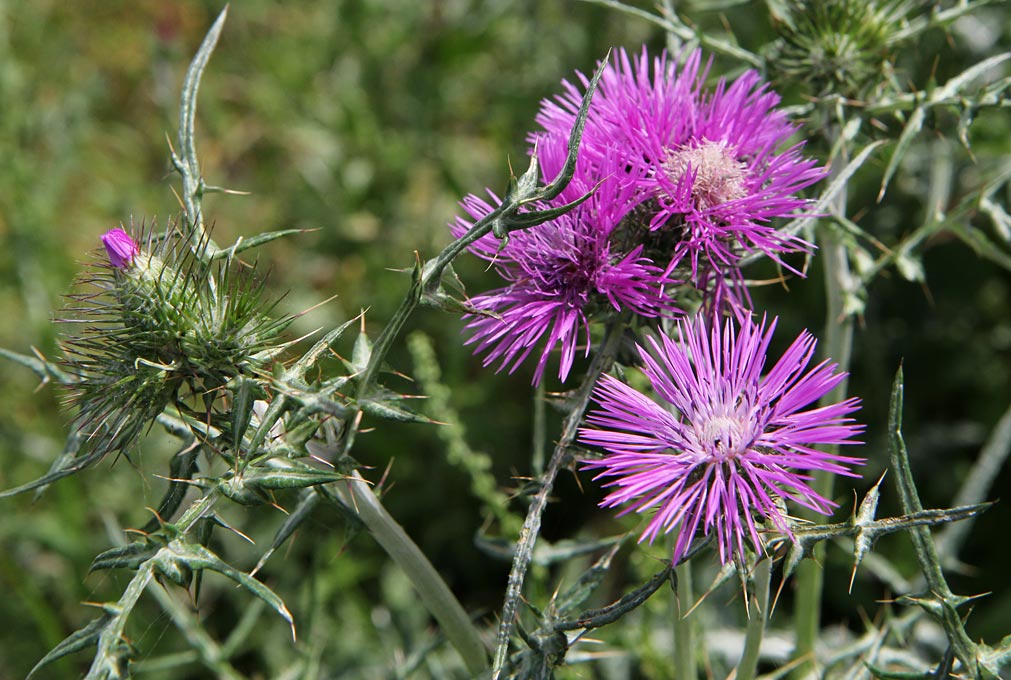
point(725, 435)
point(719, 176)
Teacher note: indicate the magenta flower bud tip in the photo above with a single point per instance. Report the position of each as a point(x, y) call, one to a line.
point(120, 247)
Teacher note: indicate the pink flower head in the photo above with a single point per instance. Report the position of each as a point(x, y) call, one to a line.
point(727, 440)
point(712, 167)
point(120, 247)
point(559, 275)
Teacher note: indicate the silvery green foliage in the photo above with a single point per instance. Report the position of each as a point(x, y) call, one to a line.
point(180, 338)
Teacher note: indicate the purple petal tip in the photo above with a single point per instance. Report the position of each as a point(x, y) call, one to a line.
point(121, 248)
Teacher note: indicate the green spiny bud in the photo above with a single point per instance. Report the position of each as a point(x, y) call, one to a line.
point(161, 317)
point(837, 46)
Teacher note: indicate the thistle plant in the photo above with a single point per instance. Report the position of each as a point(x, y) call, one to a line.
point(625, 266)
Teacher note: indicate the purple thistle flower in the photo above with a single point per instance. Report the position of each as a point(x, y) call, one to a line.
point(559, 275)
point(120, 247)
point(727, 443)
point(709, 165)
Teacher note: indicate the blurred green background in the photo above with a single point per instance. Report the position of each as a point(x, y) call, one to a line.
point(367, 121)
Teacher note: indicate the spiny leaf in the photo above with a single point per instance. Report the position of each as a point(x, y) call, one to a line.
point(964, 647)
point(188, 165)
point(293, 521)
point(999, 217)
point(244, 391)
point(909, 132)
point(199, 557)
point(129, 556)
point(953, 87)
point(390, 410)
point(590, 579)
point(252, 486)
point(253, 242)
point(309, 359)
point(66, 464)
point(980, 243)
point(559, 183)
point(949, 91)
point(46, 370)
point(595, 618)
point(361, 354)
point(75, 642)
point(181, 470)
point(446, 292)
point(314, 402)
point(864, 516)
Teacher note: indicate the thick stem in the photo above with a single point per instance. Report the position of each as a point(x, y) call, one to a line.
point(837, 344)
point(758, 616)
point(532, 524)
point(434, 592)
point(685, 667)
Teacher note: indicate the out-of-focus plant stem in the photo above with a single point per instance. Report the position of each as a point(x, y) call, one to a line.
point(758, 616)
point(837, 345)
point(434, 592)
point(684, 625)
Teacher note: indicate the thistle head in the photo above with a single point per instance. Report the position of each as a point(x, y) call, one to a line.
point(726, 437)
point(838, 46)
point(160, 324)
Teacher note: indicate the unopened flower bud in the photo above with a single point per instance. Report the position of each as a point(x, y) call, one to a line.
point(120, 247)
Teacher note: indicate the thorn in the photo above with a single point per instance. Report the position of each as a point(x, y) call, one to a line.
point(385, 475)
point(178, 197)
point(324, 461)
point(775, 600)
point(316, 306)
point(211, 189)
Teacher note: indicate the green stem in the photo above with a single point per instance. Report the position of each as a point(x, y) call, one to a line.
point(111, 638)
point(757, 618)
point(186, 162)
point(685, 667)
point(942, 604)
point(532, 524)
point(837, 344)
point(540, 430)
point(434, 592)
